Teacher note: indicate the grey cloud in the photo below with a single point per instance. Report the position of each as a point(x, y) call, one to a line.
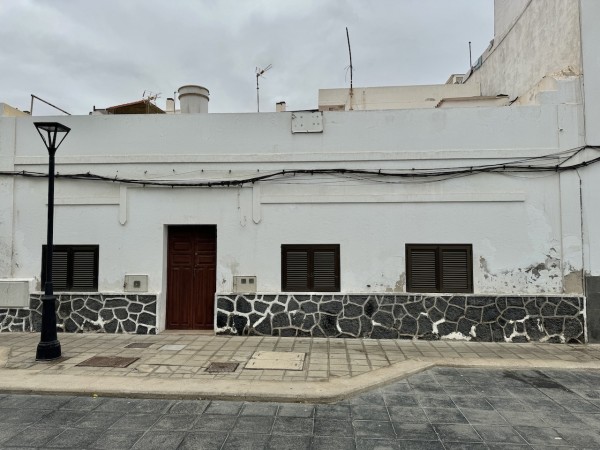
point(80, 54)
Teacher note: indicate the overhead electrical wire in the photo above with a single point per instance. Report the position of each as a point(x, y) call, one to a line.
point(536, 164)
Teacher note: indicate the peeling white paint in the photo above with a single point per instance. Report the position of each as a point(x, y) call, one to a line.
point(544, 276)
point(472, 332)
point(455, 336)
point(559, 336)
point(435, 325)
point(225, 330)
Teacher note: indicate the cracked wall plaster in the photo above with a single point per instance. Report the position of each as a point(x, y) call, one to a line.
point(540, 277)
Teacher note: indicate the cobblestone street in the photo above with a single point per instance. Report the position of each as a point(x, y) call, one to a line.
point(443, 408)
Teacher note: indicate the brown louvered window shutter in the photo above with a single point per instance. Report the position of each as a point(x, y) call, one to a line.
point(422, 269)
point(439, 268)
point(84, 270)
point(74, 267)
point(326, 273)
point(296, 271)
point(456, 272)
point(60, 272)
point(306, 268)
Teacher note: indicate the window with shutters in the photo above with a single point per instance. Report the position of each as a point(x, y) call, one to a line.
point(74, 267)
point(310, 268)
point(439, 268)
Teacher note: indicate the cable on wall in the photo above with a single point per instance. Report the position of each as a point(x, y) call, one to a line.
point(536, 164)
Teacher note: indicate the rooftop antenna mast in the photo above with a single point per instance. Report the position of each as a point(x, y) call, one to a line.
point(259, 73)
point(351, 68)
point(470, 57)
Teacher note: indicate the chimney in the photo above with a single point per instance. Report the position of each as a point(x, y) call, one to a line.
point(193, 99)
point(170, 106)
point(280, 107)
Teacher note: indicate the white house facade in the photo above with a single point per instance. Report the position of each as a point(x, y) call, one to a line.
point(475, 223)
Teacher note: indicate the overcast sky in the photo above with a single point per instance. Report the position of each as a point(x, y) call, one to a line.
point(77, 54)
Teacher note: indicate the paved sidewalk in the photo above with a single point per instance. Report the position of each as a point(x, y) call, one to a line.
point(174, 365)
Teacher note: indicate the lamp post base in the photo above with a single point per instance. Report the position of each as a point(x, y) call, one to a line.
point(49, 346)
point(47, 351)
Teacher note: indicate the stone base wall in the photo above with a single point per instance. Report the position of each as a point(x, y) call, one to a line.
point(103, 313)
point(15, 319)
point(465, 317)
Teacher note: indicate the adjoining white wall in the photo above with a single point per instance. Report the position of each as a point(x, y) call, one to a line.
point(7, 149)
point(545, 40)
point(590, 37)
point(506, 13)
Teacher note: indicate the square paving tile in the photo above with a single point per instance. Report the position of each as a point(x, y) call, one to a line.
point(139, 345)
point(293, 425)
point(33, 437)
point(114, 439)
point(332, 427)
point(160, 440)
point(259, 409)
point(457, 433)
point(237, 441)
point(295, 410)
point(415, 431)
point(209, 422)
point(373, 429)
point(74, 438)
point(253, 424)
point(285, 443)
point(203, 440)
point(172, 347)
point(499, 434)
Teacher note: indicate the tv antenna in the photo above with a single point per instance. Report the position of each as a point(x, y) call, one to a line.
point(351, 68)
point(259, 73)
point(470, 57)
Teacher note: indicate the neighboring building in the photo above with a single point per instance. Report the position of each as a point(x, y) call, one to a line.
point(392, 97)
point(9, 111)
point(457, 223)
point(144, 106)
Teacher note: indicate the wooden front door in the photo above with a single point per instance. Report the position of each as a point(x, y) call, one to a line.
point(191, 277)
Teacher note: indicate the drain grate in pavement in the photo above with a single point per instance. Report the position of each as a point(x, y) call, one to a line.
point(222, 367)
point(107, 361)
point(139, 345)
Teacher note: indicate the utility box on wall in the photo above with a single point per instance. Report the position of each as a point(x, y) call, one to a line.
point(14, 293)
point(244, 284)
point(136, 283)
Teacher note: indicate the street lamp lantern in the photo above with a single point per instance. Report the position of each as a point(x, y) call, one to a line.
point(50, 132)
point(49, 347)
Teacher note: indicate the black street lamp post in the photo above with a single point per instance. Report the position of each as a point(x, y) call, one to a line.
point(49, 347)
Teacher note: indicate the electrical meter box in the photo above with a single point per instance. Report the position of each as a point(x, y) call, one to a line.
point(136, 283)
point(244, 284)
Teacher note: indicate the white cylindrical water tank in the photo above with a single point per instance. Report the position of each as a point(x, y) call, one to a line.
point(193, 99)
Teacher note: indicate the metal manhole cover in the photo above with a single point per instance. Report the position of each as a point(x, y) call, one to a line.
point(222, 367)
point(139, 345)
point(276, 361)
point(107, 361)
